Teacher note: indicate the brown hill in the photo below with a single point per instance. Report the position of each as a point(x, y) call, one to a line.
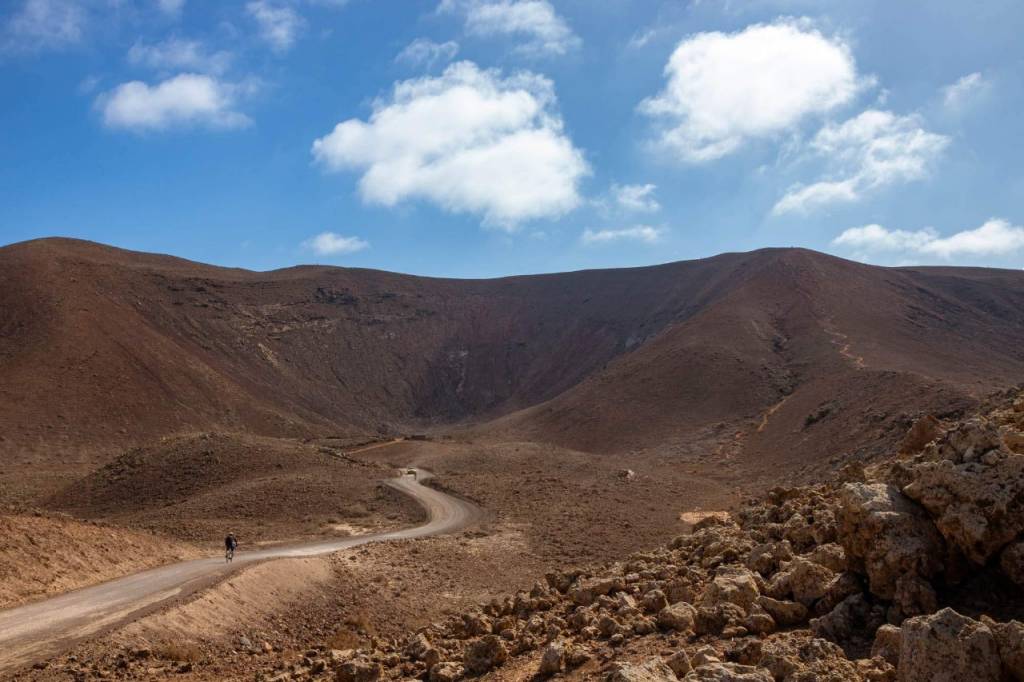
point(766, 356)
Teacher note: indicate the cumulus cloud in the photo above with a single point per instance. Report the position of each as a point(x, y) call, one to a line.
point(175, 54)
point(544, 31)
point(638, 233)
point(188, 99)
point(45, 24)
point(333, 244)
point(425, 52)
point(957, 95)
point(996, 237)
point(470, 141)
point(724, 89)
point(872, 150)
point(279, 23)
point(636, 197)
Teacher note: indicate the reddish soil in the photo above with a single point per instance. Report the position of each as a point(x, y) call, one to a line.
point(102, 347)
point(587, 412)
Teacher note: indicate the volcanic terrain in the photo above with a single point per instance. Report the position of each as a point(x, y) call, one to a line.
point(590, 416)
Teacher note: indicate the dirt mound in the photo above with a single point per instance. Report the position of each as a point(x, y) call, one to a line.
point(197, 487)
point(45, 554)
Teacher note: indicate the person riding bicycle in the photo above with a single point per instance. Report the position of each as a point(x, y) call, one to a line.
point(230, 542)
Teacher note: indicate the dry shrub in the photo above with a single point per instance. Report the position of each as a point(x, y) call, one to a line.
point(357, 629)
point(178, 651)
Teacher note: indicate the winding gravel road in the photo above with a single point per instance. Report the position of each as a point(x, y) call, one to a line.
point(43, 629)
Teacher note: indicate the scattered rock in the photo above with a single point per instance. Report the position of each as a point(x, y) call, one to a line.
point(484, 654)
point(651, 670)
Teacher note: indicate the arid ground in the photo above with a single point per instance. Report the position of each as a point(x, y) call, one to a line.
point(149, 405)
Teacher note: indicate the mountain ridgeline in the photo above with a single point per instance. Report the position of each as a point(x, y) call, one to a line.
point(757, 351)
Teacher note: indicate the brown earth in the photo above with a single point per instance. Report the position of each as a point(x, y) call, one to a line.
point(47, 554)
point(102, 348)
point(591, 414)
point(844, 580)
point(199, 486)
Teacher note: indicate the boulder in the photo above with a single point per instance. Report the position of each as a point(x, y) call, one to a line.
point(784, 613)
point(887, 535)
point(731, 584)
point(446, 672)
point(651, 670)
point(914, 596)
point(968, 441)
point(552, 660)
point(484, 654)
point(679, 617)
point(358, 670)
point(807, 581)
point(1011, 562)
point(924, 431)
point(1010, 640)
point(852, 617)
point(654, 601)
point(718, 618)
point(887, 644)
point(416, 646)
point(728, 672)
point(589, 590)
point(679, 662)
point(978, 505)
point(767, 557)
point(830, 555)
point(947, 647)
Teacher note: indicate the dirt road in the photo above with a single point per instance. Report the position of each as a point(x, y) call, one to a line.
point(43, 629)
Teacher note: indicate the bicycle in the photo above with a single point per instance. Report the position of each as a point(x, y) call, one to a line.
point(229, 555)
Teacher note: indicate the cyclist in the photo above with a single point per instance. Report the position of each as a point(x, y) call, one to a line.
point(230, 542)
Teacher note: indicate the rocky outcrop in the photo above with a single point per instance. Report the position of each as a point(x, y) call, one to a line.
point(977, 500)
point(947, 647)
point(887, 536)
point(773, 592)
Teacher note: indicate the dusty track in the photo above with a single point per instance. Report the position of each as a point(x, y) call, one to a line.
point(36, 631)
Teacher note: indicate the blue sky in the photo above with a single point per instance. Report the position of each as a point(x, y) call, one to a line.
point(476, 138)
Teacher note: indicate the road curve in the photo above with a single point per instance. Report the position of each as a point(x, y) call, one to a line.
point(43, 629)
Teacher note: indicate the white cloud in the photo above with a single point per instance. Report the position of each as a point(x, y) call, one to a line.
point(996, 237)
point(870, 151)
point(636, 197)
point(640, 40)
point(470, 141)
point(425, 52)
point(546, 32)
point(725, 89)
point(279, 23)
point(333, 244)
point(45, 24)
point(188, 99)
point(805, 198)
point(171, 7)
point(174, 54)
point(639, 233)
point(958, 94)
